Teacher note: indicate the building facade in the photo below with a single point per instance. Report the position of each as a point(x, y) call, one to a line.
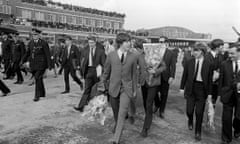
point(56, 18)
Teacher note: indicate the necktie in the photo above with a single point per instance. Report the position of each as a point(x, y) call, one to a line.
point(236, 67)
point(196, 71)
point(122, 58)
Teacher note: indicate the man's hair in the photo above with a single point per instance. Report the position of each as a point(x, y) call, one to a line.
point(121, 38)
point(216, 43)
point(110, 41)
point(200, 46)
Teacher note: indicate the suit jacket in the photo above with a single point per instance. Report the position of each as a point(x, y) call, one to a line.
point(98, 59)
point(73, 58)
point(7, 49)
point(170, 62)
point(38, 55)
point(18, 51)
point(188, 77)
point(227, 83)
point(121, 74)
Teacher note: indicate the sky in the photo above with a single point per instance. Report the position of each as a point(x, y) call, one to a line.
point(203, 16)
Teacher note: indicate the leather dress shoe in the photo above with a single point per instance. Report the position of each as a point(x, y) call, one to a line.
point(225, 142)
point(155, 109)
point(144, 133)
point(161, 115)
point(190, 125)
point(236, 135)
point(36, 99)
point(65, 92)
point(78, 109)
point(198, 136)
point(5, 94)
point(18, 82)
point(115, 143)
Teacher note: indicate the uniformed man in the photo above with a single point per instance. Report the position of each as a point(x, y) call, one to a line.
point(39, 54)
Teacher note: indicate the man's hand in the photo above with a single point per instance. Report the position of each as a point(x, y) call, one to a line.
point(134, 94)
point(170, 80)
point(209, 98)
point(181, 91)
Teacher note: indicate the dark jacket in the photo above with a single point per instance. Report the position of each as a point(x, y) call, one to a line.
point(227, 83)
point(98, 59)
point(7, 49)
point(19, 51)
point(38, 55)
point(73, 58)
point(170, 62)
point(188, 77)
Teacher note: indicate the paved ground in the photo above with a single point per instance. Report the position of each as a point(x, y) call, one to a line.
point(52, 120)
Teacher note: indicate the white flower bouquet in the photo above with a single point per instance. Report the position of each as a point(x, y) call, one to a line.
point(210, 114)
point(153, 56)
point(95, 110)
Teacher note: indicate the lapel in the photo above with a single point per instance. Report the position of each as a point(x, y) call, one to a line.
point(204, 64)
point(117, 56)
point(193, 67)
point(230, 67)
point(165, 55)
point(127, 55)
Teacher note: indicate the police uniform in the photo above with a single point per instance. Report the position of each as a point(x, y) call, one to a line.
point(39, 55)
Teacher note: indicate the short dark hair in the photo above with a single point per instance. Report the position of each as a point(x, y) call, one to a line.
point(36, 30)
point(165, 38)
point(216, 43)
point(121, 38)
point(110, 41)
point(138, 44)
point(200, 46)
point(92, 36)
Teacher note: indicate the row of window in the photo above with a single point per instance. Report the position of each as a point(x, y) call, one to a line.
point(43, 16)
point(5, 9)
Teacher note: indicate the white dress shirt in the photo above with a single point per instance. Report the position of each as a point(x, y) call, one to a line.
point(234, 63)
point(120, 54)
point(91, 51)
point(69, 48)
point(199, 75)
point(214, 54)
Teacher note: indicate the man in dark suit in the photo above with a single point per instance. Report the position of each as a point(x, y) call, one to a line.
point(7, 45)
point(70, 62)
point(215, 58)
point(197, 83)
point(91, 58)
point(167, 78)
point(120, 69)
point(229, 92)
point(18, 53)
point(39, 54)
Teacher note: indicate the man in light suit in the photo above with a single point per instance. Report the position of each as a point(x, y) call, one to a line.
point(70, 62)
point(120, 69)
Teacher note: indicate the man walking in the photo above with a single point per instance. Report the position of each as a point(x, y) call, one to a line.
point(229, 85)
point(120, 69)
point(70, 62)
point(197, 83)
point(92, 57)
point(39, 54)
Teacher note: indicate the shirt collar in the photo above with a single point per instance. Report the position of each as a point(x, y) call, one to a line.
point(214, 54)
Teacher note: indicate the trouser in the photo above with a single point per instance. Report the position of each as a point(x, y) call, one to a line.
point(120, 107)
point(214, 93)
point(196, 102)
point(228, 122)
point(39, 85)
point(163, 89)
point(4, 88)
point(8, 68)
point(69, 69)
point(90, 80)
point(17, 70)
point(149, 94)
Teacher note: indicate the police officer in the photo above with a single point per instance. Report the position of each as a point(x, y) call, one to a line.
point(39, 54)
